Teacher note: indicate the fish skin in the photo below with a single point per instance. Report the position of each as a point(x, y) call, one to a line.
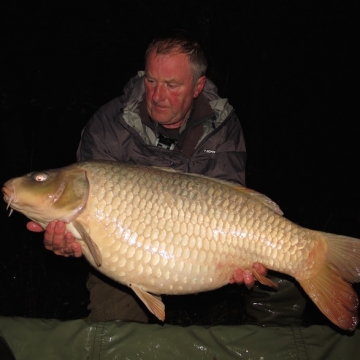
point(160, 231)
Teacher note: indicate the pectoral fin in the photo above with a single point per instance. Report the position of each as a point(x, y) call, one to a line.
point(152, 302)
point(93, 248)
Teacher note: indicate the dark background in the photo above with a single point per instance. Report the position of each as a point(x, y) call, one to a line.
point(290, 69)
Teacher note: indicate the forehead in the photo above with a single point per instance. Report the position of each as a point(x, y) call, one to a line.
point(167, 64)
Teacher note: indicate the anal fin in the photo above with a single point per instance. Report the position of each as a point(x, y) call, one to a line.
point(152, 302)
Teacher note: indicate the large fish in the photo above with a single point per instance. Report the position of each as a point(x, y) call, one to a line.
point(160, 231)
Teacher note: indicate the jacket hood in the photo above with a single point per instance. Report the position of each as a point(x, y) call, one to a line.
point(133, 95)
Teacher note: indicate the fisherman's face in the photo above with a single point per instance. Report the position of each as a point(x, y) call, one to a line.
point(169, 88)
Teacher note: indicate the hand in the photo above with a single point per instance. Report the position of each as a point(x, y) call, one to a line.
point(246, 276)
point(57, 239)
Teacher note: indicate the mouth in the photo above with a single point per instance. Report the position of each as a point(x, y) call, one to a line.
point(158, 107)
point(9, 197)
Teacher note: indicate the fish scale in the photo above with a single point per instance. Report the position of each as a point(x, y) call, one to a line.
point(160, 231)
point(188, 225)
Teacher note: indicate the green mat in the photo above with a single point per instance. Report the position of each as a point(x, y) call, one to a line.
point(80, 339)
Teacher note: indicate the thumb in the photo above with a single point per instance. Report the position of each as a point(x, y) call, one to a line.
point(33, 226)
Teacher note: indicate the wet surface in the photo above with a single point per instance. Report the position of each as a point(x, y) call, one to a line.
point(288, 69)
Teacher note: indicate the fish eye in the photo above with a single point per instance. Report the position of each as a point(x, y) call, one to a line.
point(40, 176)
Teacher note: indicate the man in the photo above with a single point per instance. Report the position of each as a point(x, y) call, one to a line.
point(170, 115)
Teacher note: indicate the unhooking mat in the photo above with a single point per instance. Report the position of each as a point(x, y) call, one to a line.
point(40, 339)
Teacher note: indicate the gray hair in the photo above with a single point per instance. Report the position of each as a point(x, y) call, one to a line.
point(179, 41)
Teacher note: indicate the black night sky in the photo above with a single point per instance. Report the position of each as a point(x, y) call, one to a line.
point(290, 69)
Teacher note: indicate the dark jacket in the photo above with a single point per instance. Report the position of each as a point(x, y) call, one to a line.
point(211, 144)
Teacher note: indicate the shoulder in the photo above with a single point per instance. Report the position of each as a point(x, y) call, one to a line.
point(133, 93)
point(210, 91)
point(223, 110)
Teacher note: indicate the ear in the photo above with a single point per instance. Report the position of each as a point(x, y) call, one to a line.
point(199, 86)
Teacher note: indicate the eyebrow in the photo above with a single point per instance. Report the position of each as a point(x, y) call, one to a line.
point(167, 81)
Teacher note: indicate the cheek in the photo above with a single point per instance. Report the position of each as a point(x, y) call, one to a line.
point(179, 102)
point(175, 103)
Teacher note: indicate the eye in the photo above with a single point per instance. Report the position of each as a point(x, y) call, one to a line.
point(150, 81)
point(172, 86)
point(40, 176)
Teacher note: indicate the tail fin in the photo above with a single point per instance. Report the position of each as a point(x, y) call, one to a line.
point(330, 288)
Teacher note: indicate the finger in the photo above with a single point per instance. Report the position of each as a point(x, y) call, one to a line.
point(249, 280)
point(77, 250)
point(61, 253)
point(260, 268)
point(65, 248)
point(72, 247)
point(48, 235)
point(58, 238)
point(33, 226)
point(238, 277)
point(68, 241)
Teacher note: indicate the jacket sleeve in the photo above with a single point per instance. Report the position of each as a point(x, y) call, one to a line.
point(223, 155)
point(98, 138)
point(103, 137)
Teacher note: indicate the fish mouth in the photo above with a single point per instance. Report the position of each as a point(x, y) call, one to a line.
point(9, 196)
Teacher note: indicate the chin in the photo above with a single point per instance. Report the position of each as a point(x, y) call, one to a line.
point(161, 119)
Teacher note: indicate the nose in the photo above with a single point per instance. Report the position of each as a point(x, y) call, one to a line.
point(159, 93)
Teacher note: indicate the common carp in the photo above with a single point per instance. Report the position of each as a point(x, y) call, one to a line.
point(161, 231)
